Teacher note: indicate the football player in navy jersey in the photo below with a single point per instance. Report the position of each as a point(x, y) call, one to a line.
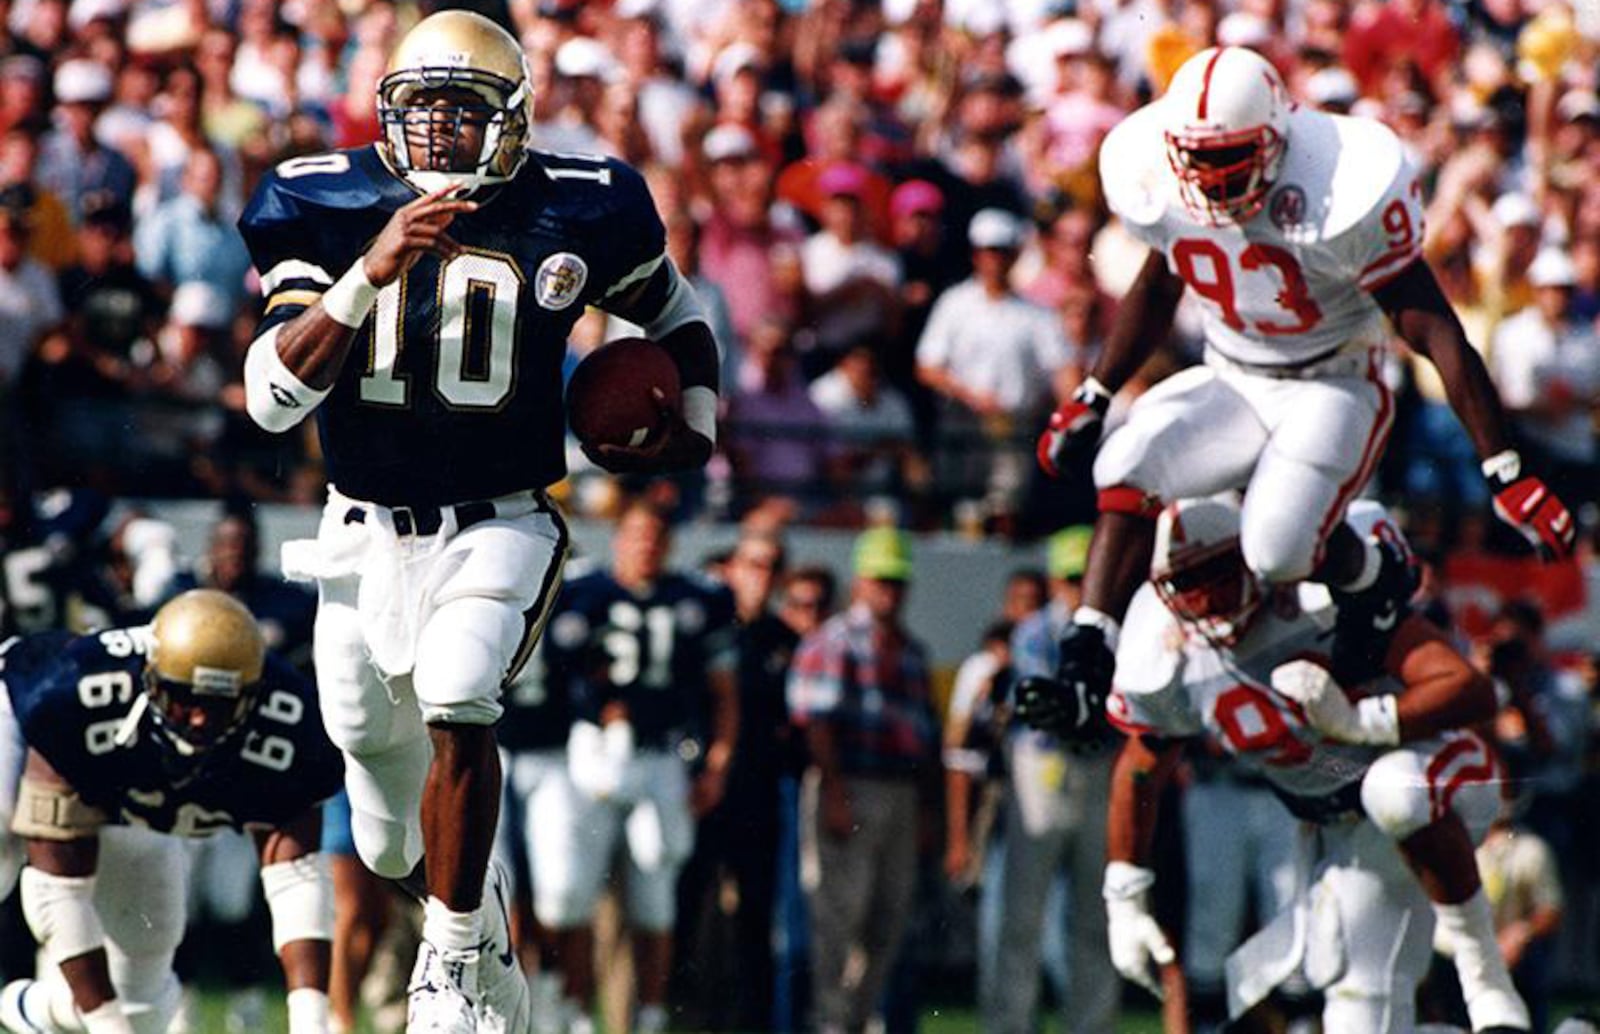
point(419, 293)
point(647, 657)
point(186, 727)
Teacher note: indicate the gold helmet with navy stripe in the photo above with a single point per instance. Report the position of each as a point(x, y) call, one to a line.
point(467, 53)
point(206, 658)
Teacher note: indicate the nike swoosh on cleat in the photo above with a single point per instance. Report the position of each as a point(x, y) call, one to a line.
point(505, 913)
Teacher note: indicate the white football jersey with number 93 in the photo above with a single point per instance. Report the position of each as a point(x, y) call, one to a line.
point(1290, 285)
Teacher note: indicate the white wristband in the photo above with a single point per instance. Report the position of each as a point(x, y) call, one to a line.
point(1124, 880)
point(700, 411)
point(308, 1011)
point(349, 300)
point(1504, 466)
point(1379, 720)
point(1092, 386)
point(108, 1018)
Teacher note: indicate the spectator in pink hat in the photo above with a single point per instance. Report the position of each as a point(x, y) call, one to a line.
point(916, 218)
point(851, 281)
point(833, 134)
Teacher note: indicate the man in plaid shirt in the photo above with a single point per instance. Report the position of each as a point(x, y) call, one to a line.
point(859, 688)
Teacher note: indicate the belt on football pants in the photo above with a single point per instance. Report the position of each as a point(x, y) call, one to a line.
point(427, 520)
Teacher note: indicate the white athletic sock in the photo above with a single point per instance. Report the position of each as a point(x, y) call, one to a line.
point(652, 1019)
point(454, 932)
point(1486, 986)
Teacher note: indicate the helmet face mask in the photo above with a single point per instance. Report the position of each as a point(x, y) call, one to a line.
point(1228, 129)
point(1225, 177)
point(456, 104)
point(194, 721)
point(1200, 572)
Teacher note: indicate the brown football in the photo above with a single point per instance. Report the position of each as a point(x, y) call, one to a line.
point(617, 392)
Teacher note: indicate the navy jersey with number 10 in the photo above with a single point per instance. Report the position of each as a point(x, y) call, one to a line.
point(453, 388)
point(76, 697)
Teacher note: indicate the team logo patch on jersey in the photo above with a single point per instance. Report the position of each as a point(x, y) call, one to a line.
point(1288, 207)
point(560, 280)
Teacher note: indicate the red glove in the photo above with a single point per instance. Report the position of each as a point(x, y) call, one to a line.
point(1527, 504)
point(1069, 441)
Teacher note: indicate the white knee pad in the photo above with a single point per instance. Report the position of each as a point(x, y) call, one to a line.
point(1279, 547)
point(386, 807)
point(1395, 795)
point(1122, 460)
point(1414, 786)
point(463, 655)
point(385, 793)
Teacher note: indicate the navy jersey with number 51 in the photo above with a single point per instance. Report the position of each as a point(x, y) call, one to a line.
point(74, 698)
point(452, 390)
point(650, 651)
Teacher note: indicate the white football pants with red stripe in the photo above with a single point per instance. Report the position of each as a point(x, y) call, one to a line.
point(1301, 448)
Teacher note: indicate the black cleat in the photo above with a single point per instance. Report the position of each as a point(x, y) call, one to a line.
point(1368, 619)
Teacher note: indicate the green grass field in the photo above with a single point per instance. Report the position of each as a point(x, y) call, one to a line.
point(934, 1021)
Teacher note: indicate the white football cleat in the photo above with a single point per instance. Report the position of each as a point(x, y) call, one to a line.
point(436, 999)
point(505, 1005)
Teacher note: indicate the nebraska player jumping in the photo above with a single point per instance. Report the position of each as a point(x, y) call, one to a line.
point(1211, 650)
point(1299, 231)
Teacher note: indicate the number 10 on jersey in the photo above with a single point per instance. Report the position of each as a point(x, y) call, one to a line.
point(475, 359)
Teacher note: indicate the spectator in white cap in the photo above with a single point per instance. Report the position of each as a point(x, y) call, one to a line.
point(1332, 89)
point(582, 68)
point(72, 162)
point(994, 359)
point(1510, 243)
point(1547, 367)
point(742, 250)
point(736, 78)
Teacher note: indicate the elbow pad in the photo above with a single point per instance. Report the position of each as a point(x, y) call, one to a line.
point(681, 306)
point(276, 398)
point(299, 895)
point(60, 912)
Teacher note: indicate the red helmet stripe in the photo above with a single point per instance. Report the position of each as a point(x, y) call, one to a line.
point(1205, 82)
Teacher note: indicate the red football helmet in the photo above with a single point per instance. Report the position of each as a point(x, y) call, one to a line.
point(1199, 570)
point(1227, 131)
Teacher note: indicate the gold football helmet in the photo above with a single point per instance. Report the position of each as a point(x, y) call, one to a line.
point(467, 53)
point(206, 657)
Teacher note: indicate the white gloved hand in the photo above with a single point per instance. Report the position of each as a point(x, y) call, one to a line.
point(1371, 720)
point(1136, 939)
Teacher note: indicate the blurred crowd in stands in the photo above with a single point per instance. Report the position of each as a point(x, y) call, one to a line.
point(892, 211)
